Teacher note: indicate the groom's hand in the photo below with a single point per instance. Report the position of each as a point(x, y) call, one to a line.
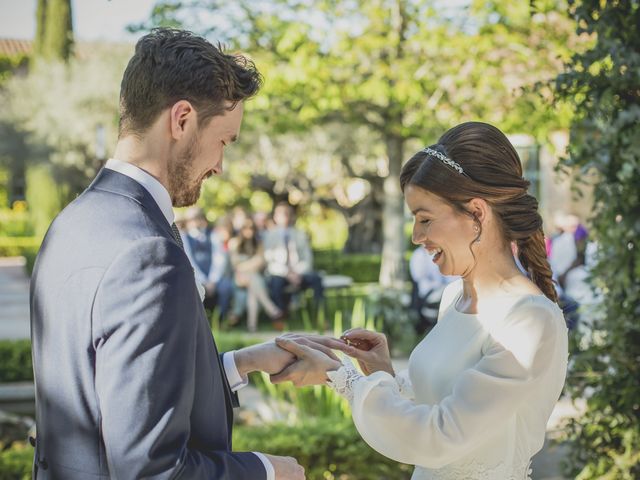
point(265, 357)
point(310, 368)
point(286, 468)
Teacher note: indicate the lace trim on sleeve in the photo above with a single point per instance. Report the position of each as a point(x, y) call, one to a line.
point(343, 380)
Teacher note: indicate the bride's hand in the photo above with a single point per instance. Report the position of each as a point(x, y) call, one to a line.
point(323, 343)
point(370, 349)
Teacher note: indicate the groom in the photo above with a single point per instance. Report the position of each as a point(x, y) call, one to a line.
point(129, 383)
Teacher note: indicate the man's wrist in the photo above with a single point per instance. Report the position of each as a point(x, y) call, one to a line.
point(245, 361)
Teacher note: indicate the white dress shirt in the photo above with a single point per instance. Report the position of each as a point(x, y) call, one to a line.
point(163, 199)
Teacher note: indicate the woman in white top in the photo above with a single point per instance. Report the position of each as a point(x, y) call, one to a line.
point(481, 385)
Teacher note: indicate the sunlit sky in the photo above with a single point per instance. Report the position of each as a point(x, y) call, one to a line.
point(92, 19)
point(101, 19)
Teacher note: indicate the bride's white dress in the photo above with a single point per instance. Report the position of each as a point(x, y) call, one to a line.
point(476, 398)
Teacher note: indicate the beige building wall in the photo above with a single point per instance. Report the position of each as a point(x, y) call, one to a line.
point(555, 192)
point(559, 191)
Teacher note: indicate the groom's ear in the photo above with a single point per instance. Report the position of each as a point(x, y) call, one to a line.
point(182, 118)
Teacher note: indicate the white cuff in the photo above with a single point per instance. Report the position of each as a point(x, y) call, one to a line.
point(344, 379)
point(236, 381)
point(271, 473)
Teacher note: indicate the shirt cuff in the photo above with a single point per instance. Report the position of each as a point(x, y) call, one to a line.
point(236, 381)
point(271, 473)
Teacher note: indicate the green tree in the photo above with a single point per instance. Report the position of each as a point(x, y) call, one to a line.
point(397, 68)
point(52, 119)
point(54, 31)
point(41, 22)
point(603, 84)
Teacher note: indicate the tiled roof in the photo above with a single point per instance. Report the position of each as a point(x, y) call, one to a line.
point(82, 49)
point(12, 46)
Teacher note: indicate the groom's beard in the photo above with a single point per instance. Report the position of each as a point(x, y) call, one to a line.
point(183, 190)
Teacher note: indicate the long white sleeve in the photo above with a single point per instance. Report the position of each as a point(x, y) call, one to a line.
point(518, 358)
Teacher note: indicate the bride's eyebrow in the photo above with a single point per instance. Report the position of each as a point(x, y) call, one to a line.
point(421, 210)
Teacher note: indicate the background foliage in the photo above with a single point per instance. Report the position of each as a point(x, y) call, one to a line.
point(328, 449)
point(604, 85)
point(374, 81)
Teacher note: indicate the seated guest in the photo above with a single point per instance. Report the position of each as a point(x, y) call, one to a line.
point(209, 260)
point(289, 259)
point(247, 260)
point(263, 223)
point(238, 216)
point(223, 231)
point(428, 284)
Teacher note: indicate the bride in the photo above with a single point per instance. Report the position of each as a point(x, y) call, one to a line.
point(482, 384)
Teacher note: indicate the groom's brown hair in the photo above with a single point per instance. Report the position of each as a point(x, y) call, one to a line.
point(170, 65)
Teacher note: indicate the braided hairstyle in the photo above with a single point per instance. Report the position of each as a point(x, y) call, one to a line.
point(493, 172)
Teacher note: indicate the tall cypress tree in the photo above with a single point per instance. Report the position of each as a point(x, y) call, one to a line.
point(41, 20)
point(58, 30)
point(603, 83)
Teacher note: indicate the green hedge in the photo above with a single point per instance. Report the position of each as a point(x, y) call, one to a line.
point(362, 267)
point(233, 341)
point(16, 365)
point(15, 361)
point(21, 246)
point(327, 450)
point(15, 462)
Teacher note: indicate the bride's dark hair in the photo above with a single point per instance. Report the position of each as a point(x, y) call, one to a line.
point(493, 172)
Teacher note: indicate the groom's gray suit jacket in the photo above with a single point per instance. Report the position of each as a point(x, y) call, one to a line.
point(129, 383)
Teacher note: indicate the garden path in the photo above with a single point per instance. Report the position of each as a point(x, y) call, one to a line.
point(14, 299)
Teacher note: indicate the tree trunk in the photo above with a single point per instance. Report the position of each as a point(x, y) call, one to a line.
point(393, 268)
point(365, 222)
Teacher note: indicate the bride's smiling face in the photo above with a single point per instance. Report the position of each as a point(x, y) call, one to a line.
point(442, 230)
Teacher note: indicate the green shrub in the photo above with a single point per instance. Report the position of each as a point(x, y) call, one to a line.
point(26, 247)
point(327, 449)
point(15, 222)
point(233, 341)
point(362, 267)
point(44, 197)
point(15, 462)
point(17, 246)
point(315, 401)
point(16, 365)
point(15, 361)
point(601, 84)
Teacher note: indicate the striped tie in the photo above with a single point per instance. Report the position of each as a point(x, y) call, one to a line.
point(176, 234)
